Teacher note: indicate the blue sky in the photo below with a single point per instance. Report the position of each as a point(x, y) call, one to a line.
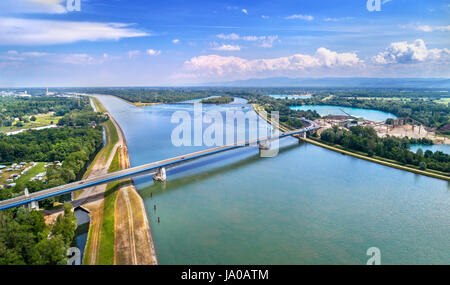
point(160, 43)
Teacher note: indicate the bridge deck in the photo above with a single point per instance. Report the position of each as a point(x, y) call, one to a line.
point(149, 168)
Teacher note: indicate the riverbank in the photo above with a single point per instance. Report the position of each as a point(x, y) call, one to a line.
point(258, 109)
point(138, 104)
point(110, 226)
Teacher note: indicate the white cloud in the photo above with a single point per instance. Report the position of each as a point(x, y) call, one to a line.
point(265, 17)
point(16, 31)
point(416, 52)
point(426, 28)
point(337, 19)
point(175, 41)
point(133, 53)
point(265, 41)
point(34, 54)
point(300, 17)
point(33, 6)
point(244, 11)
point(220, 66)
point(225, 47)
point(231, 36)
point(53, 58)
point(153, 52)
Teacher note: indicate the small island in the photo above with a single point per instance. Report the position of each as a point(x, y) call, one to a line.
point(218, 100)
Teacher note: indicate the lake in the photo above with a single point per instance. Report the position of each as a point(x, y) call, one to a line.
point(323, 110)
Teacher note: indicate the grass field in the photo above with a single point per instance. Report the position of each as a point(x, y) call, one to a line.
point(27, 176)
point(445, 101)
point(41, 121)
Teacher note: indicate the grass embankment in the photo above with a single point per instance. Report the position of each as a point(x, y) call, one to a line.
point(105, 215)
point(112, 138)
point(105, 250)
point(376, 159)
point(102, 156)
point(98, 106)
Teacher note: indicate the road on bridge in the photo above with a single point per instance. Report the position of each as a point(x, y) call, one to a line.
point(150, 168)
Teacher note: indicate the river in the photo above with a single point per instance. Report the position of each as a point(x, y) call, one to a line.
point(307, 205)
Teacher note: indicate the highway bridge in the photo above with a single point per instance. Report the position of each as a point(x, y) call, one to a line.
point(146, 169)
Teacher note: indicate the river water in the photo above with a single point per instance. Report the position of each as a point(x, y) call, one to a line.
point(307, 205)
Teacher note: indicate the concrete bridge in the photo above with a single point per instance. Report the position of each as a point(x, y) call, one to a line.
point(158, 169)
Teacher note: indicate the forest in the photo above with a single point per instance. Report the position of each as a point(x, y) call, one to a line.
point(13, 107)
point(25, 239)
point(218, 100)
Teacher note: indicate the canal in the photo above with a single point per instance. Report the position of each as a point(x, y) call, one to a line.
point(307, 205)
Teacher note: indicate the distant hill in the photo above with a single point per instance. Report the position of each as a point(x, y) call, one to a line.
point(339, 82)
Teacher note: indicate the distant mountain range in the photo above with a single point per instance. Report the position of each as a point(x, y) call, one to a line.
point(339, 82)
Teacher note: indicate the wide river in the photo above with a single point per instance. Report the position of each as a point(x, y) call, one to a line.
point(307, 205)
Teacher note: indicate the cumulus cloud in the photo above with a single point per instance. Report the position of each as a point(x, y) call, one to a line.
point(218, 66)
point(300, 17)
point(175, 41)
point(416, 52)
point(153, 52)
point(16, 31)
point(244, 11)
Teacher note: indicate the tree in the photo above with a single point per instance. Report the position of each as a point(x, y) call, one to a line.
point(65, 225)
point(50, 252)
point(33, 118)
point(422, 165)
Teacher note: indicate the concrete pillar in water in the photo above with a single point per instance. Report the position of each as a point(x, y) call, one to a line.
point(160, 175)
point(264, 145)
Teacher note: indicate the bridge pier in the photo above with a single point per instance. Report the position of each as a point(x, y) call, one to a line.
point(32, 205)
point(160, 175)
point(264, 145)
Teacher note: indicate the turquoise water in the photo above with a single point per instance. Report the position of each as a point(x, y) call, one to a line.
point(284, 96)
point(307, 205)
point(372, 115)
point(445, 148)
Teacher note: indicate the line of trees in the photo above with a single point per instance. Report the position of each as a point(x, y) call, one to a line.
point(365, 139)
point(218, 100)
